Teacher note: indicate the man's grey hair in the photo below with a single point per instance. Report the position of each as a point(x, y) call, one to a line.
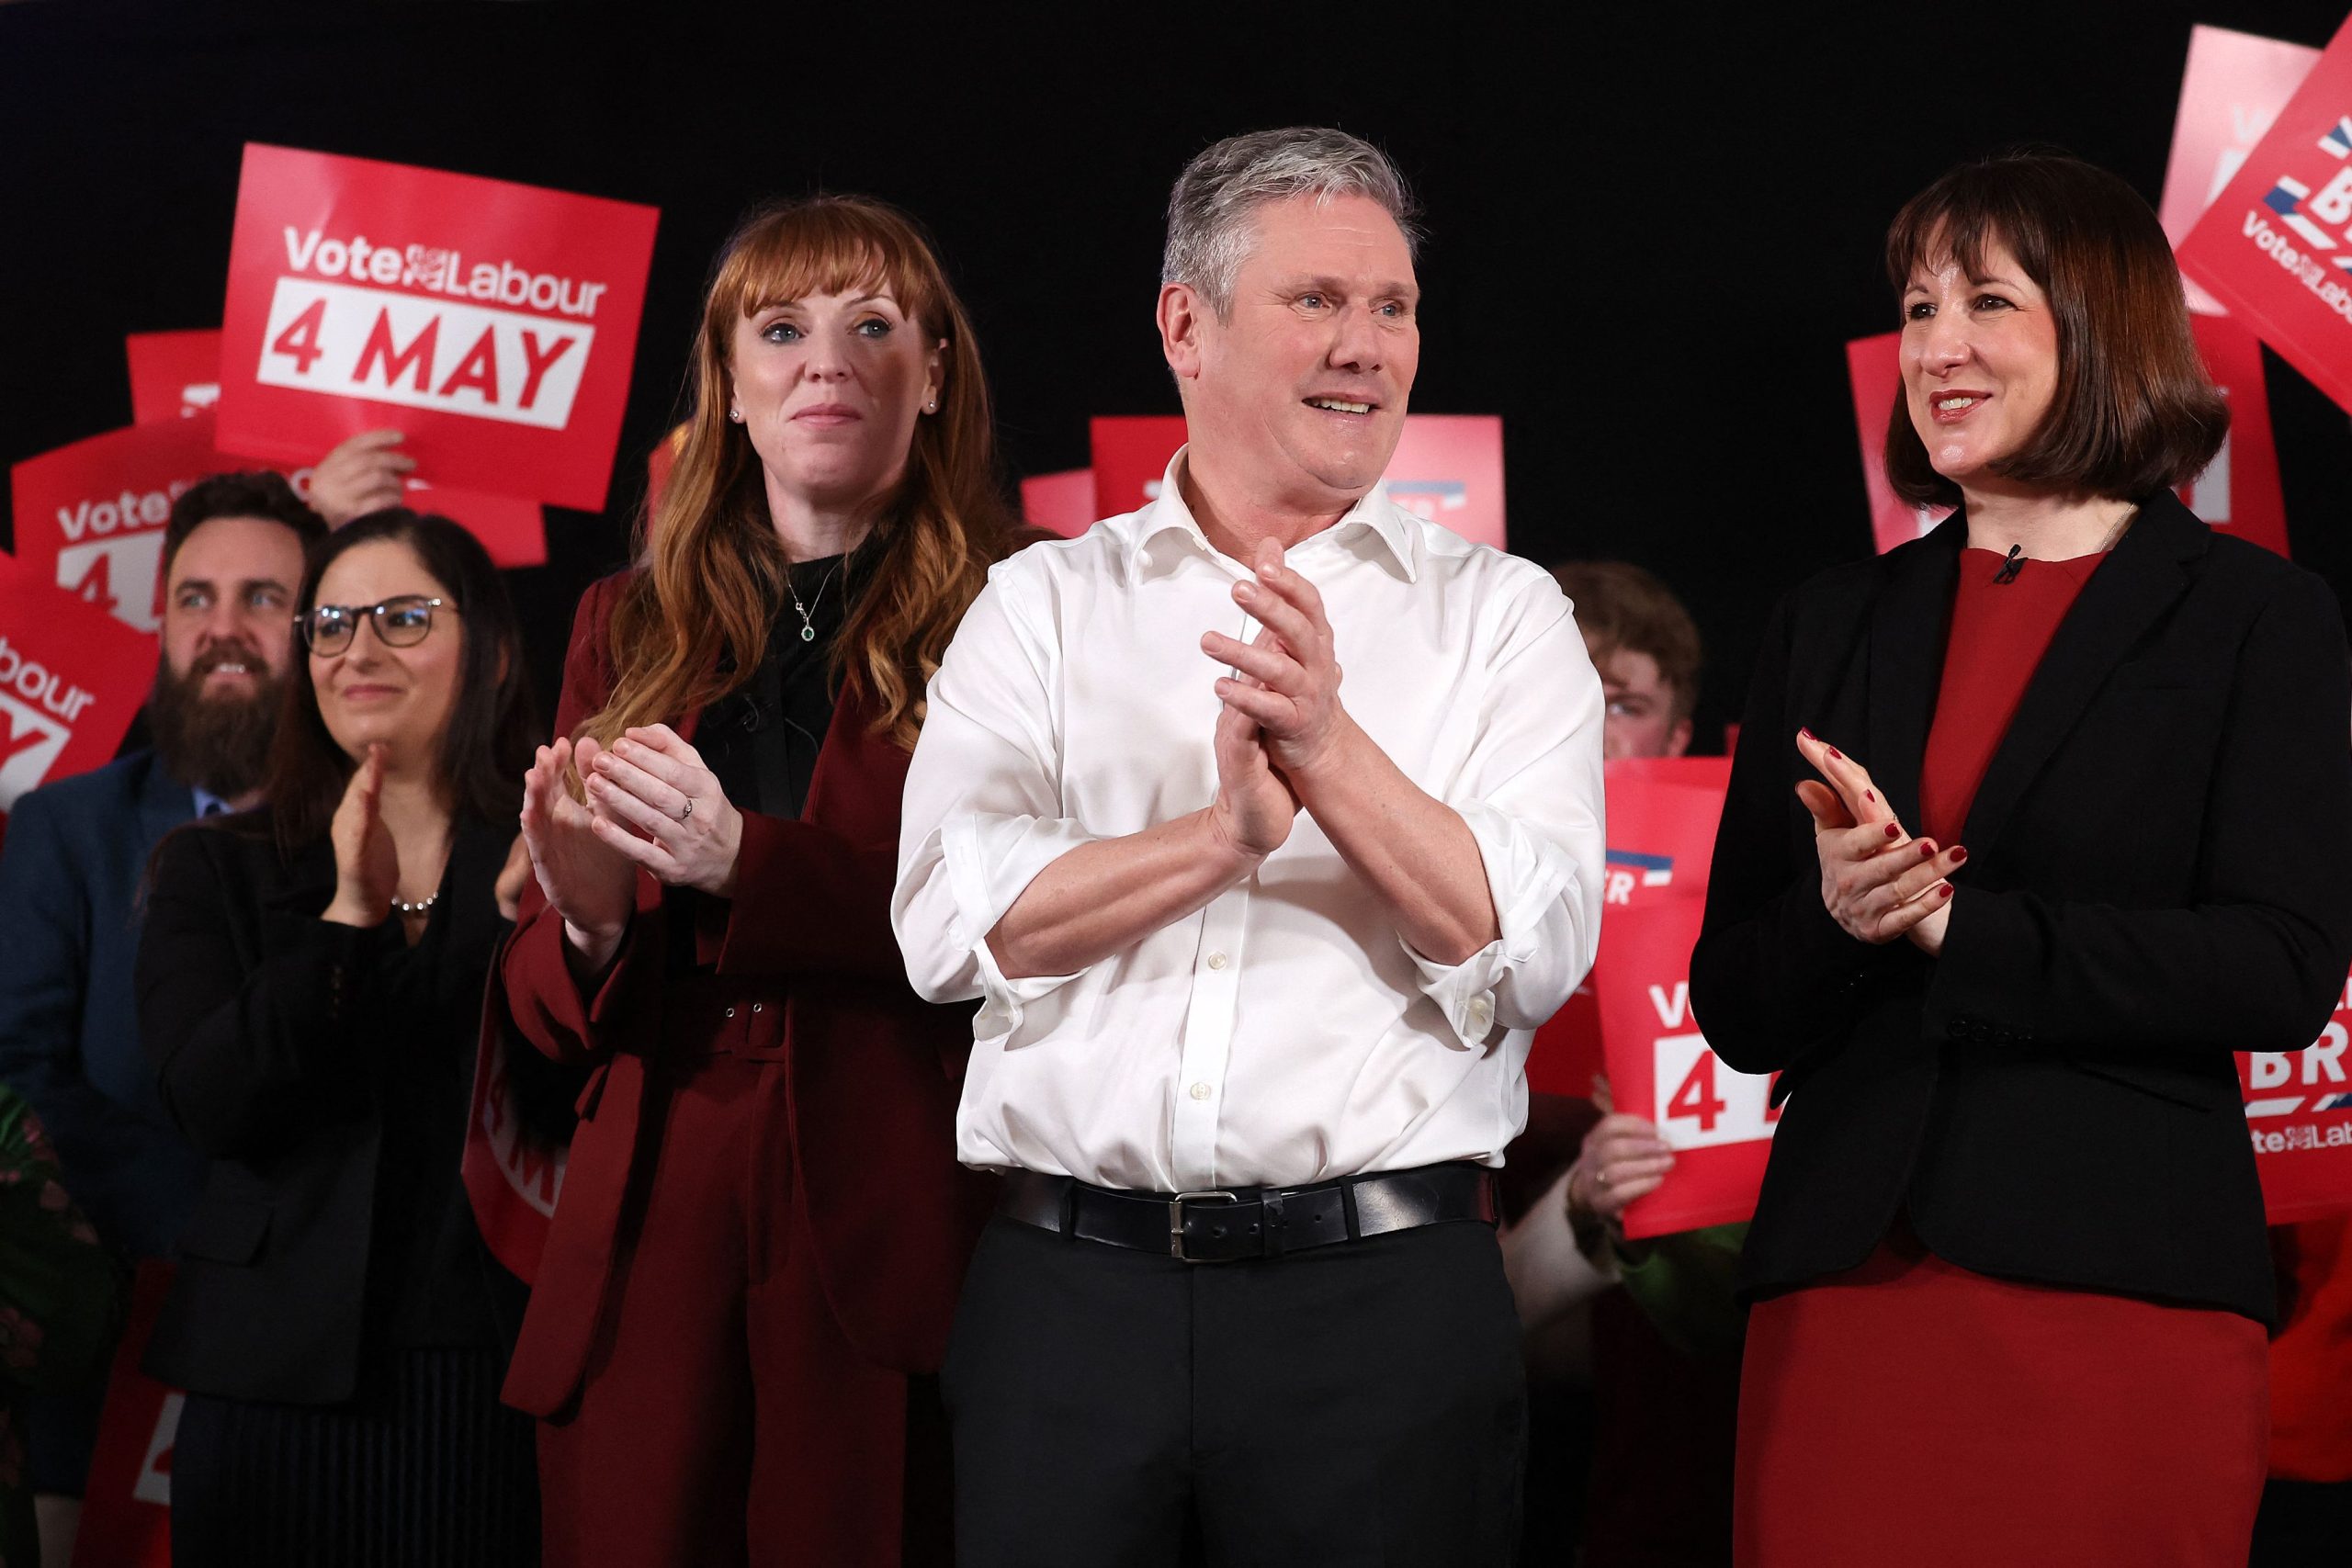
point(1212, 211)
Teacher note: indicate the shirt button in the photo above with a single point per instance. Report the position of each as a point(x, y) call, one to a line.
point(1201, 1091)
point(756, 1006)
point(1217, 961)
point(1481, 1010)
point(730, 1012)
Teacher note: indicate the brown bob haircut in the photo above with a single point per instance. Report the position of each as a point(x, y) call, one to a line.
point(693, 624)
point(2134, 411)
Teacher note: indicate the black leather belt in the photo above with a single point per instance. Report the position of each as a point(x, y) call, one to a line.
point(1226, 1225)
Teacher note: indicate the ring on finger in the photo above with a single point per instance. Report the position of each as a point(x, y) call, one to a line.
point(689, 809)
point(1600, 1178)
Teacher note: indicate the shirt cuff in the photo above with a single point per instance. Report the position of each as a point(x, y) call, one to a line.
point(1525, 883)
point(989, 862)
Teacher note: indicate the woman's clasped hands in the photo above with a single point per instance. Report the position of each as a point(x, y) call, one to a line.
point(646, 800)
point(1877, 882)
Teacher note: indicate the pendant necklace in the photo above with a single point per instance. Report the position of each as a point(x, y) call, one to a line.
point(808, 621)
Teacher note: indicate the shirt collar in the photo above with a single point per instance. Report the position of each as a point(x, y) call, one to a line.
point(1374, 514)
point(206, 802)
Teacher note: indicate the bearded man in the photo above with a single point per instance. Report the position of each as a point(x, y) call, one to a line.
point(70, 875)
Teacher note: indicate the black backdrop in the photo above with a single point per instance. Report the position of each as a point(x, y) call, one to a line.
point(1652, 230)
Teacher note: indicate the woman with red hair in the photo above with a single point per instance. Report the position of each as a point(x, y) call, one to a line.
point(764, 1225)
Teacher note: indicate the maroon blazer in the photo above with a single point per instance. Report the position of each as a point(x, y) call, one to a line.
point(801, 963)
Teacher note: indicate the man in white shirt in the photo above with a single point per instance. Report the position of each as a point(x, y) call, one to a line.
point(1259, 951)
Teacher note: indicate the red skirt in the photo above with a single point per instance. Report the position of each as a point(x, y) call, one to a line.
point(1912, 1412)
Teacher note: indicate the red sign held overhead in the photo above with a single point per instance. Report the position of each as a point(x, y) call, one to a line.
point(1447, 469)
point(2276, 246)
point(71, 679)
point(90, 517)
point(172, 374)
point(178, 375)
point(493, 323)
point(2238, 491)
point(2231, 93)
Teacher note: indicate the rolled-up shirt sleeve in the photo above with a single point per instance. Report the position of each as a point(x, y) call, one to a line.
point(983, 811)
point(1531, 793)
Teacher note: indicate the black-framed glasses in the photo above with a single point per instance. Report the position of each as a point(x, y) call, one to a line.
point(403, 622)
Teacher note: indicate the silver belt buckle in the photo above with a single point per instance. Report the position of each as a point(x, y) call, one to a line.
point(1176, 1220)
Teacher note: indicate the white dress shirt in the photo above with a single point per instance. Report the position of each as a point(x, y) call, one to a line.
point(1285, 1033)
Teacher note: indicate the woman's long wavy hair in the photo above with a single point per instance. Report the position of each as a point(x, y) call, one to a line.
point(694, 624)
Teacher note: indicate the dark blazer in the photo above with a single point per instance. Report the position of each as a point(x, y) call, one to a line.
point(801, 966)
point(267, 1058)
point(69, 1033)
point(2159, 875)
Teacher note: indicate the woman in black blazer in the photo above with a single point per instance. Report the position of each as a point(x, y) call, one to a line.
point(2034, 822)
point(311, 981)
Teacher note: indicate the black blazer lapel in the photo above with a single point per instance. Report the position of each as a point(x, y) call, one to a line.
point(1907, 629)
point(2131, 589)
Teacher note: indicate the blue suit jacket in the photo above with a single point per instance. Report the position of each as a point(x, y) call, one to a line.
point(70, 874)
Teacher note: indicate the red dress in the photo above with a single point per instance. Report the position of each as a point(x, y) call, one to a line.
point(1912, 1412)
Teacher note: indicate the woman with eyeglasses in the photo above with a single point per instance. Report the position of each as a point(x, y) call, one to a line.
point(309, 985)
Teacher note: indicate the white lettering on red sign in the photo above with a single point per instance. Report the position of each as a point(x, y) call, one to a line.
point(155, 1483)
point(1701, 1103)
point(437, 269)
point(423, 353)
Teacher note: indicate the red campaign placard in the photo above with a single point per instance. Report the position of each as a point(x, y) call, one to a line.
point(1447, 469)
point(1875, 369)
point(2298, 1114)
point(493, 323)
point(2275, 248)
point(177, 375)
point(1719, 1123)
point(2239, 490)
point(1662, 814)
point(172, 374)
point(1061, 503)
point(127, 1504)
point(70, 680)
point(658, 464)
point(90, 516)
point(2231, 93)
point(512, 1178)
point(511, 530)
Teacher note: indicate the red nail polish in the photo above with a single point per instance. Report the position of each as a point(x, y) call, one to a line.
point(1894, 831)
point(1926, 850)
point(1808, 734)
point(1836, 754)
point(1959, 853)
point(1944, 892)
point(1870, 794)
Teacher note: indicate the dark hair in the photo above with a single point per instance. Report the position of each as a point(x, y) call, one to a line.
point(1620, 606)
point(257, 492)
point(2134, 411)
point(493, 727)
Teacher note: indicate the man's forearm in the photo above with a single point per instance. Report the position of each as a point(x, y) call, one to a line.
point(1106, 897)
point(1415, 851)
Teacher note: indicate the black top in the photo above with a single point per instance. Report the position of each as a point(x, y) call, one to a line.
point(2159, 875)
point(324, 1072)
point(761, 740)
